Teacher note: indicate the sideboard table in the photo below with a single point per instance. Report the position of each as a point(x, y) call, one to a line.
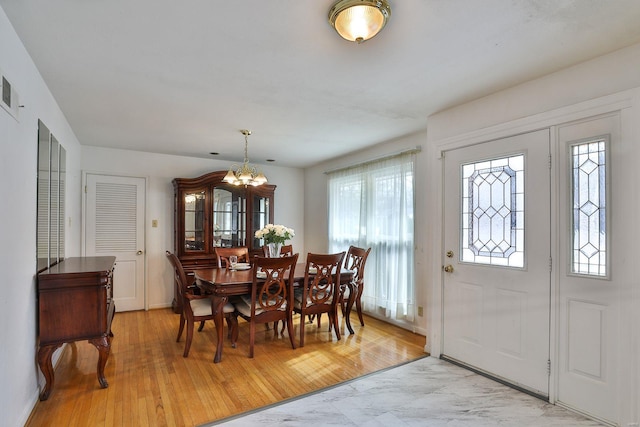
point(75, 303)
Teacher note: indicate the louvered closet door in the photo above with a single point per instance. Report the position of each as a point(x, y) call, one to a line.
point(114, 225)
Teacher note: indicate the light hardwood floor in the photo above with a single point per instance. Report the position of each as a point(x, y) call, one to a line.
point(151, 384)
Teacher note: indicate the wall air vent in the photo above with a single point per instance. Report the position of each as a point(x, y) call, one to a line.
point(8, 96)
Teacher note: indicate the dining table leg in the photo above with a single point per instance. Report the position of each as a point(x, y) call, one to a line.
point(218, 318)
point(350, 301)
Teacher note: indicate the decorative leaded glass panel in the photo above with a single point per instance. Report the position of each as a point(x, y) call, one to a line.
point(493, 212)
point(589, 216)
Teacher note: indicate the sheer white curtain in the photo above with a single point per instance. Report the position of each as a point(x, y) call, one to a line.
point(371, 205)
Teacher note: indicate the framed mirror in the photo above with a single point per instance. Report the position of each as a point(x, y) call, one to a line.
point(50, 233)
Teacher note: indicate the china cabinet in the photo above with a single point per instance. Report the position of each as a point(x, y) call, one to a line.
point(210, 213)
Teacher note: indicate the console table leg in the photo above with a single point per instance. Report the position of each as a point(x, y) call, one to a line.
point(103, 344)
point(44, 361)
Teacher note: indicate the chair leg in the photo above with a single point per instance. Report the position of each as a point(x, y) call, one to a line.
point(347, 317)
point(289, 324)
point(359, 307)
point(187, 344)
point(341, 299)
point(252, 336)
point(232, 323)
point(302, 316)
point(181, 327)
point(333, 319)
point(201, 327)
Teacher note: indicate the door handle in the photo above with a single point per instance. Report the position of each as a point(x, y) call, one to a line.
point(448, 268)
point(139, 253)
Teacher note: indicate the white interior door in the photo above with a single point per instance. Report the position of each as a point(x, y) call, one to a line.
point(593, 269)
point(497, 252)
point(114, 225)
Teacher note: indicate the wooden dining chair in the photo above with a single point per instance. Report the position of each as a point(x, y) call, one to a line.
point(223, 254)
point(197, 308)
point(285, 250)
point(355, 261)
point(271, 297)
point(320, 290)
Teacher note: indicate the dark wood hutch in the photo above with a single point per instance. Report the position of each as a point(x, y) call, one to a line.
point(210, 213)
point(75, 303)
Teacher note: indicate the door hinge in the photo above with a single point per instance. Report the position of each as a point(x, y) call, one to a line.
point(85, 189)
point(548, 367)
point(549, 161)
point(550, 264)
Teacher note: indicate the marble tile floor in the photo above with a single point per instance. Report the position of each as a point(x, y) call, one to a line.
point(426, 392)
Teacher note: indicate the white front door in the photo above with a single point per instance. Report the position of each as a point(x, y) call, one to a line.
point(114, 225)
point(596, 262)
point(496, 258)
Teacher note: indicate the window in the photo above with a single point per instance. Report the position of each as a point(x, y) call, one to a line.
point(493, 212)
point(372, 205)
point(589, 207)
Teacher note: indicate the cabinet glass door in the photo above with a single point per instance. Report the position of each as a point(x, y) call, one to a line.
point(194, 234)
point(260, 217)
point(229, 223)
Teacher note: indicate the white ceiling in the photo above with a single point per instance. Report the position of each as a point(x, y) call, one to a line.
point(183, 77)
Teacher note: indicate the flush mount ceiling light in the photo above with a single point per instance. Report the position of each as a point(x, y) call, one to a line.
point(359, 20)
point(245, 174)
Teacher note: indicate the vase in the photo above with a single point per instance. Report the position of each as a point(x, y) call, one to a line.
point(273, 250)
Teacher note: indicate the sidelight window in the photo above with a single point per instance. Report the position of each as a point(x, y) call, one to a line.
point(589, 207)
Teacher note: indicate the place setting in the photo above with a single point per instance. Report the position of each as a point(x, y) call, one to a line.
point(239, 266)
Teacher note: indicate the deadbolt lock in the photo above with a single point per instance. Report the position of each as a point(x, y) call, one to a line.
point(449, 254)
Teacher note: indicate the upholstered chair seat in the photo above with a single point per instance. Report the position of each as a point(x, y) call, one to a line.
point(202, 307)
point(243, 305)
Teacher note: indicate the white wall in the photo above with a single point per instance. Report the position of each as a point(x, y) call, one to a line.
point(159, 170)
point(607, 83)
point(19, 373)
point(601, 76)
point(316, 209)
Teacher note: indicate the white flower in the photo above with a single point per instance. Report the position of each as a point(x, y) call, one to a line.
point(275, 233)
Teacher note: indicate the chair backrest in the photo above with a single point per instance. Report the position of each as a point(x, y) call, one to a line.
point(285, 250)
point(179, 274)
point(223, 254)
point(322, 286)
point(355, 261)
point(272, 292)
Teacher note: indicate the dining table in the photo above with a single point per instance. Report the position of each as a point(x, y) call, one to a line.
point(222, 283)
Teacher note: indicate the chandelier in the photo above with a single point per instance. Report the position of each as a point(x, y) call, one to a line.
point(359, 20)
point(245, 174)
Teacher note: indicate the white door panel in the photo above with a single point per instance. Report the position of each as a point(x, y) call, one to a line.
point(114, 225)
point(589, 305)
point(496, 307)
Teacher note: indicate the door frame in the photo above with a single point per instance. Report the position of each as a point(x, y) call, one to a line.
point(83, 233)
point(623, 102)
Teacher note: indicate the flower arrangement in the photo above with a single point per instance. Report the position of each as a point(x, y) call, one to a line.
point(275, 233)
